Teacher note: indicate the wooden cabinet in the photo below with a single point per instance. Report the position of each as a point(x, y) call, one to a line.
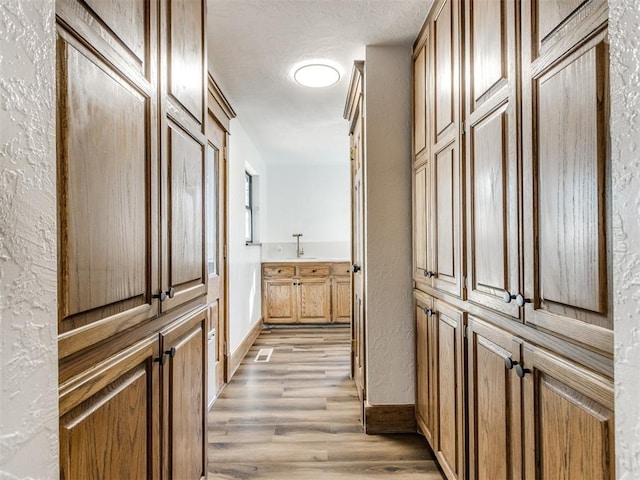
point(305, 293)
point(495, 418)
point(565, 131)
point(440, 382)
point(110, 417)
point(131, 188)
point(140, 412)
point(517, 107)
point(184, 397)
point(438, 184)
point(549, 417)
point(568, 419)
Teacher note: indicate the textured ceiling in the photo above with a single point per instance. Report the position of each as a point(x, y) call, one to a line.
point(255, 44)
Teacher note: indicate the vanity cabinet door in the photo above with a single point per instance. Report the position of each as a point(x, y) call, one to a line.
point(314, 300)
point(280, 301)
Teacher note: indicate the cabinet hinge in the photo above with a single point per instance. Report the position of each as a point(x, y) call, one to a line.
point(224, 153)
point(224, 251)
point(464, 282)
point(465, 331)
point(464, 128)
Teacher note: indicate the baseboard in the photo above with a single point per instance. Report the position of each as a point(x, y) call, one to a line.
point(243, 348)
point(380, 419)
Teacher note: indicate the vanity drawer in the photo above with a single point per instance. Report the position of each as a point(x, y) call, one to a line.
point(278, 271)
point(314, 271)
point(341, 269)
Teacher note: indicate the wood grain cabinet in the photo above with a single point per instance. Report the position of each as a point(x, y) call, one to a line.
point(305, 293)
point(511, 216)
point(130, 162)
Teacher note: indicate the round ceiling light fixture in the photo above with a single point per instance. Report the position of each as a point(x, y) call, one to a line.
point(316, 75)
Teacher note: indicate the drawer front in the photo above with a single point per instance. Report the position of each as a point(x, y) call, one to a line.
point(341, 269)
point(278, 271)
point(314, 271)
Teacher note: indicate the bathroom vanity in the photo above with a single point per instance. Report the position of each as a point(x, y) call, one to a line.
point(306, 292)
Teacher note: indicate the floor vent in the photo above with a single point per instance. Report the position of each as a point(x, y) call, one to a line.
point(264, 355)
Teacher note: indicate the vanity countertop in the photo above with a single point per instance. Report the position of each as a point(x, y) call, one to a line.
point(305, 260)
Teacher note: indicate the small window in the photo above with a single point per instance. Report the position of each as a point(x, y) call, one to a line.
point(248, 205)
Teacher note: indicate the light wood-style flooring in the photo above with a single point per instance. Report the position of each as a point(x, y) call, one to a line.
point(298, 417)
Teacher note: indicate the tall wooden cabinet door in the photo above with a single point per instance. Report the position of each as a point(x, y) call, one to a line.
point(314, 301)
point(494, 405)
point(446, 221)
point(493, 247)
point(341, 300)
point(280, 298)
point(450, 448)
point(566, 159)
point(422, 254)
point(110, 417)
point(107, 162)
point(569, 421)
point(420, 109)
point(427, 369)
point(184, 255)
point(184, 347)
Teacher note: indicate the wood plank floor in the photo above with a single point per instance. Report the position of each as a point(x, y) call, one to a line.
point(298, 417)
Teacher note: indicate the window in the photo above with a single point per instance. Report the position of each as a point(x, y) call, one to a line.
point(248, 205)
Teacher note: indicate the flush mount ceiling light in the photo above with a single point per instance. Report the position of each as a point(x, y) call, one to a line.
point(316, 75)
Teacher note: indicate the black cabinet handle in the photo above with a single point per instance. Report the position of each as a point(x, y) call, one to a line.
point(521, 371)
point(313, 271)
point(355, 268)
point(429, 312)
point(520, 300)
point(429, 274)
point(510, 363)
point(279, 271)
point(508, 296)
point(171, 352)
point(162, 296)
point(171, 292)
point(160, 359)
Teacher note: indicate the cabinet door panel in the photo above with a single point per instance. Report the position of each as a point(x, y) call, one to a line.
point(427, 371)
point(421, 228)
point(445, 67)
point(565, 148)
point(184, 399)
point(109, 418)
point(451, 390)
point(419, 101)
point(563, 403)
point(186, 55)
point(107, 222)
point(314, 301)
point(280, 298)
point(341, 300)
point(446, 224)
point(494, 404)
point(186, 241)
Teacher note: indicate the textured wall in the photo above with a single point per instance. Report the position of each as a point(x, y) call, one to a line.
point(625, 152)
point(245, 301)
point(28, 342)
point(388, 295)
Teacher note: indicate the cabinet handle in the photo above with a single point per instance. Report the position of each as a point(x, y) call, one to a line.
point(162, 296)
point(508, 296)
point(510, 363)
point(279, 271)
point(429, 312)
point(171, 352)
point(429, 274)
point(171, 292)
point(355, 268)
point(160, 359)
point(313, 271)
point(521, 371)
point(520, 300)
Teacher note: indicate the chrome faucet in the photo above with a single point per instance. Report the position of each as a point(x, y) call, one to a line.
point(299, 251)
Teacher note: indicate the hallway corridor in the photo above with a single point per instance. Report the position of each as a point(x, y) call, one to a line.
point(297, 417)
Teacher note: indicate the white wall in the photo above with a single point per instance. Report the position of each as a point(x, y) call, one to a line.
point(387, 182)
point(244, 261)
point(314, 200)
point(625, 151)
point(28, 309)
